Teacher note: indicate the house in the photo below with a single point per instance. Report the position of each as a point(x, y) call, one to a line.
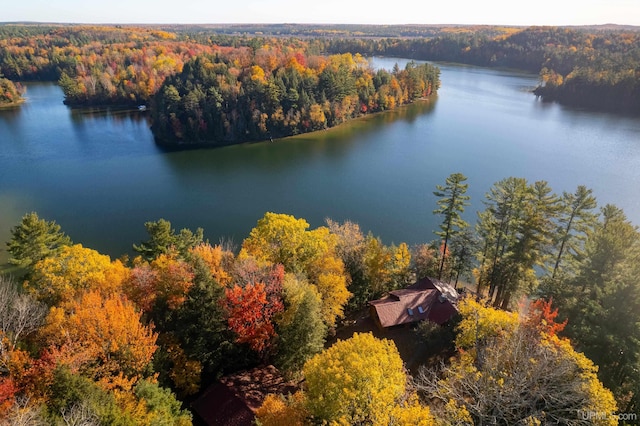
point(427, 299)
point(234, 399)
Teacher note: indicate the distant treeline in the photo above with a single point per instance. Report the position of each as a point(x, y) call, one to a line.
point(95, 65)
point(219, 100)
point(598, 69)
point(582, 66)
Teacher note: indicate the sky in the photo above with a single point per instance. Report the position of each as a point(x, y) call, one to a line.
point(492, 12)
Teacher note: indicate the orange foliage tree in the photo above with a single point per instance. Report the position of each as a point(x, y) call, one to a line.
point(102, 338)
point(166, 279)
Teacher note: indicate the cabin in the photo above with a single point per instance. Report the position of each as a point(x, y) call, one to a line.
point(428, 299)
point(234, 399)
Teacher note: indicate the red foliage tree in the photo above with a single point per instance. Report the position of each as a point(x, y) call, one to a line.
point(251, 309)
point(7, 394)
point(542, 317)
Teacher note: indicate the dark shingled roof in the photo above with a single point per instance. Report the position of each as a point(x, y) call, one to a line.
point(393, 309)
point(426, 299)
point(234, 399)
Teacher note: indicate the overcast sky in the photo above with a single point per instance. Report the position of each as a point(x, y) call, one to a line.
point(502, 12)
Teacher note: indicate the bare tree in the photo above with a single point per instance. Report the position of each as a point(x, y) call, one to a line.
point(514, 380)
point(20, 315)
point(23, 414)
point(79, 415)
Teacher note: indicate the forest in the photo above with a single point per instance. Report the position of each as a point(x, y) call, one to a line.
point(217, 100)
point(133, 340)
point(595, 67)
point(579, 67)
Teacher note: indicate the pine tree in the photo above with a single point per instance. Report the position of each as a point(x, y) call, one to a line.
point(162, 238)
point(451, 204)
point(33, 240)
point(575, 219)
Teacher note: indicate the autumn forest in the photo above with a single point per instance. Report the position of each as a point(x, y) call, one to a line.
point(547, 302)
point(133, 340)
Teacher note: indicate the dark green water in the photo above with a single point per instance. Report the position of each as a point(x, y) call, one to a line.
point(100, 176)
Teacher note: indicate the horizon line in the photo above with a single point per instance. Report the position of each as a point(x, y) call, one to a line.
point(312, 24)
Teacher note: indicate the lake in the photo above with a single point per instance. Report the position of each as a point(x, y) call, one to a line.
point(99, 174)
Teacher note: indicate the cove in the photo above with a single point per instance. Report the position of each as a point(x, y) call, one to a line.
point(99, 174)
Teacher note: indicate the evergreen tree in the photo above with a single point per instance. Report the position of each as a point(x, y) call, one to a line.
point(163, 238)
point(452, 201)
point(603, 305)
point(575, 218)
point(33, 240)
point(200, 324)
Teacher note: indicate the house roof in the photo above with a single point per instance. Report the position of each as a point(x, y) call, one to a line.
point(234, 399)
point(426, 299)
point(404, 306)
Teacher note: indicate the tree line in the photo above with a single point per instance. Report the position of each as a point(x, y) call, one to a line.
point(126, 65)
point(577, 66)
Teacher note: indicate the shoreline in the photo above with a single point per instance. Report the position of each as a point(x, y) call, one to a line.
point(13, 104)
point(361, 118)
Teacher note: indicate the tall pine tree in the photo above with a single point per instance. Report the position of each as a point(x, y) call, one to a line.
point(451, 204)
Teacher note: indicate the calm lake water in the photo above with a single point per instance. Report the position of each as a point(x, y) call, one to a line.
point(100, 175)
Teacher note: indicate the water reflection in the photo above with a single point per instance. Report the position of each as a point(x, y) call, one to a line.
point(296, 151)
point(117, 115)
point(10, 113)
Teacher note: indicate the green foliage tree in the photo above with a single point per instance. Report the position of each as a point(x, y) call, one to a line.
point(515, 234)
point(575, 219)
point(462, 248)
point(33, 240)
point(78, 398)
point(505, 202)
point(301, 331)
point(200, 325)
point(602, 303)
point(162, 238)
point(451, 203)
point(161, 404)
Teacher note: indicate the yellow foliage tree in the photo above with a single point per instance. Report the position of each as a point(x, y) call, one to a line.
point(480, 323)
point(411, 413)
point(515, 374)
point(280, 238)
point(73, 270)
point(213, 257)
point(277, 410)
point(358, 380)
